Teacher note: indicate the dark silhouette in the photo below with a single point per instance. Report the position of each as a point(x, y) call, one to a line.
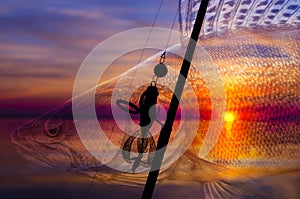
point(147, 115)
point(165, 132)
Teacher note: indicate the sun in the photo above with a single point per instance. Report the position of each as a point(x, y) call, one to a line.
point(229, 117)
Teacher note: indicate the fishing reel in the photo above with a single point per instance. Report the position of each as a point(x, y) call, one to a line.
point(143, 139)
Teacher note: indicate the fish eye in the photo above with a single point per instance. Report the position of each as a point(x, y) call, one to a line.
point(53, 127)
point(53, 131)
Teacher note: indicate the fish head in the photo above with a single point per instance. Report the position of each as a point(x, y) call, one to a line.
point(51, 140)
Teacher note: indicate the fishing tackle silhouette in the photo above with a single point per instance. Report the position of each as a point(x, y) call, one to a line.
point(148, 113)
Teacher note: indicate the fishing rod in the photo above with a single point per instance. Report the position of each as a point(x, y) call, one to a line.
point(166, 130)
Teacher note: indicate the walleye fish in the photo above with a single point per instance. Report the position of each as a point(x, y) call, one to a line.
point(255, 46)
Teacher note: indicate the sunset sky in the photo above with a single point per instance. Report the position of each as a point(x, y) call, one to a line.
point(44, 42)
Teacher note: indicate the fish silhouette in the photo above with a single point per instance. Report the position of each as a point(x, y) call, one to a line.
point(255, 46)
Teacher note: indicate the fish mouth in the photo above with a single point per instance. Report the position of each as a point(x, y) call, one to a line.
point(52, 155)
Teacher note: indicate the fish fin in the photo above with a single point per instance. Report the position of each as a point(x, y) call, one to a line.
point(239, 189)
point(106, 175)
point(220, 182)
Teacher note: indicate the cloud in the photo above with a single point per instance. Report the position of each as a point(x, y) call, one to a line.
point(31, 74)
point(77, 13)
point(43, 43)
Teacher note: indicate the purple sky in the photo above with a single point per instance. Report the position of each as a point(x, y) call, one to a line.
point(42, 44)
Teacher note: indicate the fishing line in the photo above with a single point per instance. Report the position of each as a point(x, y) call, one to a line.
point(93, 179)
point(163, 55)
point(90, 187)
point(172, 26)
point(147, 40)
point(149, 34)
point(139, 60)
point(166, 131)
point(143, 50)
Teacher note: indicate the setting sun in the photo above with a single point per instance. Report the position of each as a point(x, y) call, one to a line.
point(229, 117)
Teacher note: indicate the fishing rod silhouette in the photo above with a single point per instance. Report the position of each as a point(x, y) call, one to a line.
point(166, 130)
point(148, 115)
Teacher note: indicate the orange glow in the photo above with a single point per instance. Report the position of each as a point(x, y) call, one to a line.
point(229, 117)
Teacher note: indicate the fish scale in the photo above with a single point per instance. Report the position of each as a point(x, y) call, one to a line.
point(222, 16)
